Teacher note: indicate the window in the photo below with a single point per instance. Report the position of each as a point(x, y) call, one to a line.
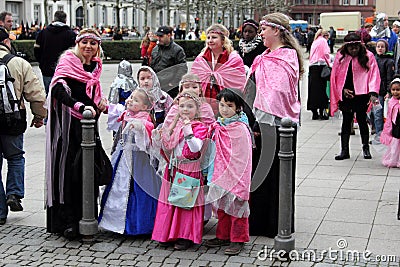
point(124, 17)
point(60, 8)
point(326, 2)
point(79, 16)
point(36, 12)
point(361, 2)
point(104, 15)
point(346, 2)
point(297, 2)
point(161, 21)
point(312, 2)
point(133, 16)
point(114, 16)
point(50, 13)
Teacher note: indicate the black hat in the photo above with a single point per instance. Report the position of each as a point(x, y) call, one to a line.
point(163, 30)
point(4, 34)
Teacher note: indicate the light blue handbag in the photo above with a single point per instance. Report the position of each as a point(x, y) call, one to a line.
point(184, 191)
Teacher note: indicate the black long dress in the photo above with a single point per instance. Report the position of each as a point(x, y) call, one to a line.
point(67, 215)
point(317, 97)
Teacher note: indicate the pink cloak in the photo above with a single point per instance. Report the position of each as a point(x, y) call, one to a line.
point(277, 76)
point(364, 81)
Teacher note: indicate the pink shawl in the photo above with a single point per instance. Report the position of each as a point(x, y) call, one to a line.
point(70, 66)
point(143, 116)
point(277, 77)
point(393, 110)
point(364, 81)
point(231, 74)
point(320, 51)
point(233, 159)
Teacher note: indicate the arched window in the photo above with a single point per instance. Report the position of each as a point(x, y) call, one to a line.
point(79, 16)
point(124, 17)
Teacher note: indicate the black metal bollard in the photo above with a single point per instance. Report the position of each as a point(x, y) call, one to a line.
point(88, 224)
point(285, 240)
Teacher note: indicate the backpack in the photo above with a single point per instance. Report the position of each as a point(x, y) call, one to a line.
point(10, 113)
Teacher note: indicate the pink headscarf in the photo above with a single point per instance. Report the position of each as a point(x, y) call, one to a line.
point(70, 66)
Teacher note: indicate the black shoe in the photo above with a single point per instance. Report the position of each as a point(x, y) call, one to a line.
point(14, 203)
point(70, 233)
point(343, 155)
point(183, 244)
point(216, 242)
point(366, 153)
point(3, 221)
point(315, 116)
point(234, 248)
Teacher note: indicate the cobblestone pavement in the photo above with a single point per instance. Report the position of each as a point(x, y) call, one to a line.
point(32, 246)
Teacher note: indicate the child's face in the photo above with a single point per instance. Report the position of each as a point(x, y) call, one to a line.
point(187, 108)
point(136, 102)
point(395, 89)
point(145, 80)
point(380, 48)
point(227, 109)
point(191, 86)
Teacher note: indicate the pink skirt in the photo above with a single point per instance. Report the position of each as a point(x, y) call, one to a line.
point(392, 156)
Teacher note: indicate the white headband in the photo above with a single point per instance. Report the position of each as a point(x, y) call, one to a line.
point(266, 23)
point(88, 36)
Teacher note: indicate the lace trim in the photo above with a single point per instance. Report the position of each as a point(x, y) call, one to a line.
point(228, 202)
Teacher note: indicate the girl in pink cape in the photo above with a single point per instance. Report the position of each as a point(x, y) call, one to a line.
point(390, 135)
point(277, 72)
point(182, 144)
point(218, 65)
point(355, 81)
point(129, 202)
point(230, 173)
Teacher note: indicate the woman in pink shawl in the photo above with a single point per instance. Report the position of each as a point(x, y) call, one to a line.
point(218, 65)
point(277, 72)
point(75, 87)
point(317, 100)
point(355, 80)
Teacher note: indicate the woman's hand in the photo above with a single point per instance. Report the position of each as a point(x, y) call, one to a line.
point(387, 96)
point(102, 105)
point(91, 109)
point(348, 93)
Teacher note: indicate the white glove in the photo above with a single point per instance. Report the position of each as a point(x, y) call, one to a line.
point(187, 130)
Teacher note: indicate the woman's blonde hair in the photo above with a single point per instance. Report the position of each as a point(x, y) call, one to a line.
point(321, 32)
point(224, 33)
point(76, 51)
point(285, 35)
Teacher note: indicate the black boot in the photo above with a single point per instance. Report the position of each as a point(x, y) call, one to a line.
point(323, 115)
point(314, 114)
point(344, 154)
point(365, 147)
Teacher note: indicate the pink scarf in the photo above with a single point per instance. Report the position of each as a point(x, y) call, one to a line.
point(231, 74)
point(233, 159)
point(393, 110)
point(70, 66)
point(277, 77)
point(143, 116)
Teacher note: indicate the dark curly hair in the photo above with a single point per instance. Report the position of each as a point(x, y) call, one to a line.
point(362, 54)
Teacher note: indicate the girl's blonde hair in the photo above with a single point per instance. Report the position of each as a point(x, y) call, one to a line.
point(224, 33)
point(76, 50)
point(192, 95)
point(148, 100)
point(285, 35)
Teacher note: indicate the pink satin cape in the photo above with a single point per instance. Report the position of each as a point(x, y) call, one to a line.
point(277, 77)
point(233, 159)
point(231, 74)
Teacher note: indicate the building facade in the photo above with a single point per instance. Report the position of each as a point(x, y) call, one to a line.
point(309, 10)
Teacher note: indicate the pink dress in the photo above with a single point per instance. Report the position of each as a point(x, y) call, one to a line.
point(391, 158)
point(173, 222)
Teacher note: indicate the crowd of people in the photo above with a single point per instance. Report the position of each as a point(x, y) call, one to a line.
point(187, 143)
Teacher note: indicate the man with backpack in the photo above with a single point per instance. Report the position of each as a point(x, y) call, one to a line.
point(17, 80)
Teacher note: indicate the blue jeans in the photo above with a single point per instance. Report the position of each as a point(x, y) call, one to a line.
point(11, 149)
point(378, 117)
point(46, 82)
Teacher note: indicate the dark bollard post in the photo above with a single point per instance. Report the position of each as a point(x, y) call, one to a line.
point(285, 240)
point(88, 224)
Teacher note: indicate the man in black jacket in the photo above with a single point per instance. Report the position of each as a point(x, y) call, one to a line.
point(168, 60)
point(50, 43)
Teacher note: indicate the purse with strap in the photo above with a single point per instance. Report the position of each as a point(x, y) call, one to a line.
point(184, 191)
